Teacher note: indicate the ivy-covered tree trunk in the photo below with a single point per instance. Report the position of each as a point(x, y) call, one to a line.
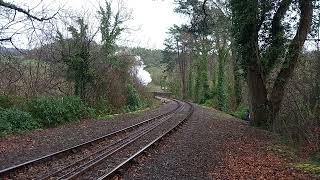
point(247, 22)
point(221, 86)
point(257, 97)
point(197, 82)
point(292, 56)
point(182, 70)
point(75, 54)
point(317, 88)
point(237, 86)
point(81, 80)
point(246, 12)
point(257, 91)
point(190, 82)
point(201, 83)
point(204, 78)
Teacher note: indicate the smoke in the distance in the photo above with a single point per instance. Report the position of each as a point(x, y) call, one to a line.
point(143, 75)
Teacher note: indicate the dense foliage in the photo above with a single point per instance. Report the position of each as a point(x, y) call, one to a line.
point(69, 76)
point(41, 113)
point(277, 50)
point(55, 111)
point(134, 102)
point(14, 120)
point(248, 58)
point(200, 54)
point(150, 57)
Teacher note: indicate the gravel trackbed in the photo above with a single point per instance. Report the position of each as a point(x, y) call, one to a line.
point(210, 145)
point(204, 149)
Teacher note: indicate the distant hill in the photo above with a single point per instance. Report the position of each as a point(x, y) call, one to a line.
point(12, 51)
point(150, 57)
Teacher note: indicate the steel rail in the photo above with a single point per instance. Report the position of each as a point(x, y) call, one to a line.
point(107, 154)
point(142, 150)
point(11, 169)
point(104, 153)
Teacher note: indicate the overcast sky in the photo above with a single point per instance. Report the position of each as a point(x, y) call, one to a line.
point(150, 21)
point(154, 17)
point(150, 18)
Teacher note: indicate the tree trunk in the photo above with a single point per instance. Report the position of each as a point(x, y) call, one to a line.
point(190, 82)
point(237, 83)
point(197, 82)
point(182, 71)
point(258, 97)
point(317, 88)
point(291, 58)
point(221, 86)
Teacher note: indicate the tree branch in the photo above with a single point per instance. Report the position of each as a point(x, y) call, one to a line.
point(24, 11)
point(265, 7)
point(204, 11)
point(6, 39)
point(276, 48)
point(292, 55)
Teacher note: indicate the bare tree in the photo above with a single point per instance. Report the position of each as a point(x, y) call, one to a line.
point(16, 20)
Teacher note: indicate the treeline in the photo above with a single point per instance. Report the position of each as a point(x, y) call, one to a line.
point(203, 58)
point(70, 75)
point(247, 57)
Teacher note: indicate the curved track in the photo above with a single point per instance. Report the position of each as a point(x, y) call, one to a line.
point(109, 157)
point(116, 170)
point(8, 171)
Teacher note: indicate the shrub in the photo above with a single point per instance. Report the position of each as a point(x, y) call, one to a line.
point(14, 120)
point(104, 107)
point(241, 112)
point(210, 103)
point(133, 99)
point(54, 111)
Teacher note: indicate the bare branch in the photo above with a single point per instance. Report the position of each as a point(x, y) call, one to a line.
point(24, 11)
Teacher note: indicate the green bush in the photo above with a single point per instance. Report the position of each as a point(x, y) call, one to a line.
point(210, 103)
point(241, 112)
point(14, 120)
point(103, 107)
point(133, 102)
point(54, 111)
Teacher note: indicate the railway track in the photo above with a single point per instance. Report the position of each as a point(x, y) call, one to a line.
point(116, 170)
point(103, 158)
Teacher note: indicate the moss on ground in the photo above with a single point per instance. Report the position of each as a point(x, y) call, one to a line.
point(290, 153)
point(284, 151)
point(308, 167)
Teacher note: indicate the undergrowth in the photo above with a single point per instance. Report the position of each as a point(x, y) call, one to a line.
point(312, 165)
point(308, 167)
point(20, 116)
point(16, 121)
point(55, 111)
point(241, 112)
